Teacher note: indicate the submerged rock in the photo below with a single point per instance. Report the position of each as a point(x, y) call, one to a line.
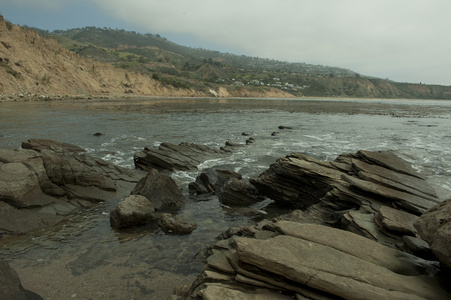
point(133, 211)
point(176, 224)
point(11, 287)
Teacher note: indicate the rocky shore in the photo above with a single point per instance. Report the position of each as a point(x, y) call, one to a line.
point(363, 226)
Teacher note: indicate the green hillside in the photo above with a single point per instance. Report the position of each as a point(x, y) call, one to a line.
point(203, 69)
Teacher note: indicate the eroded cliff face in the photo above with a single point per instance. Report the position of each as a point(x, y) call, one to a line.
point(31, 64)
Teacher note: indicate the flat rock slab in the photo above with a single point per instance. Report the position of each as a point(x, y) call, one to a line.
point(335, 267)
point(184, 156)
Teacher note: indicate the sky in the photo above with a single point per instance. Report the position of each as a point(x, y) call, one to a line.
point(402, 40)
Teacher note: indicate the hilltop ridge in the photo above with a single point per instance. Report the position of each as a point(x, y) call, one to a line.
point(95, 62)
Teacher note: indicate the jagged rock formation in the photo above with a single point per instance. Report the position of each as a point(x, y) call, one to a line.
point(354, 239)
point(308, 261)
point(47, 179)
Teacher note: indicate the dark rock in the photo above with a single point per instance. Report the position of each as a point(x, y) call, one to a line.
point(250, 141)
point(418, 247)
point(176, 224)
point(285, 127)
point(185, 156)
point(160, 189)
point(211, 181)
point(10, 286)
point(303, 181)
point(239, 192)
point(297, 180)
point(57, 147)
point(98, 134)
point(133, 211)
point(245, 134)
point(434, 226)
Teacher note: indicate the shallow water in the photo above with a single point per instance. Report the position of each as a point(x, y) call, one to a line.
point(84, 258)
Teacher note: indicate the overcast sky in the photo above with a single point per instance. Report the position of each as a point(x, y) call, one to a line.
point(403, 40)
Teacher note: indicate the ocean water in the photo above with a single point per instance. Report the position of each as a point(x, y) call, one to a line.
point(418, 131)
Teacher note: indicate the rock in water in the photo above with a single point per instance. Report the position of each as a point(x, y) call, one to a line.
point(134, 210)
point(58, 179)
point(176, 224)
point(185, 156)
point(160, 189)
point(211, 181)
point(10, 286)
point(434, 226)
point(309, 261)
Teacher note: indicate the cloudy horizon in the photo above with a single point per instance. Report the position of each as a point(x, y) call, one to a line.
point(403, 40)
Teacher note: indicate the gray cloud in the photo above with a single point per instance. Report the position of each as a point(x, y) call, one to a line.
point(404, 40)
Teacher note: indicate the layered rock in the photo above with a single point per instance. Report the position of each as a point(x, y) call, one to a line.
point(185, 156)
point(309, 261)
point(51, 179)
point(375, 194)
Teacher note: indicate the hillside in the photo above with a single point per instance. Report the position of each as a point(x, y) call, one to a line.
point(203, 69)
point(109, 63)
point(32, 66)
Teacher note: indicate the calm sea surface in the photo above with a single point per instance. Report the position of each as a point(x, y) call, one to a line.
point(149, 263)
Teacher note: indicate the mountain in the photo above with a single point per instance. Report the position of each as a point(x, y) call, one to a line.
point(105, 62)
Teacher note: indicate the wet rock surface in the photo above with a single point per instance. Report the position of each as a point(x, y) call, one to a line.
point(185, 156)
point(48, 179)
point(11, 287)
point(176, 224)
point(161, 190)
point(133, 211)
point(354, 237)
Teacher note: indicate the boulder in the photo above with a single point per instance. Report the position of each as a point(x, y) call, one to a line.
point(185, 156)
point(54, 178)
point(19, 186)
point(239, 192)
point(434, 226)
point(211, 181)
point(10, 286)
point(160, 189)
point(176, 224)
point(134, 210)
